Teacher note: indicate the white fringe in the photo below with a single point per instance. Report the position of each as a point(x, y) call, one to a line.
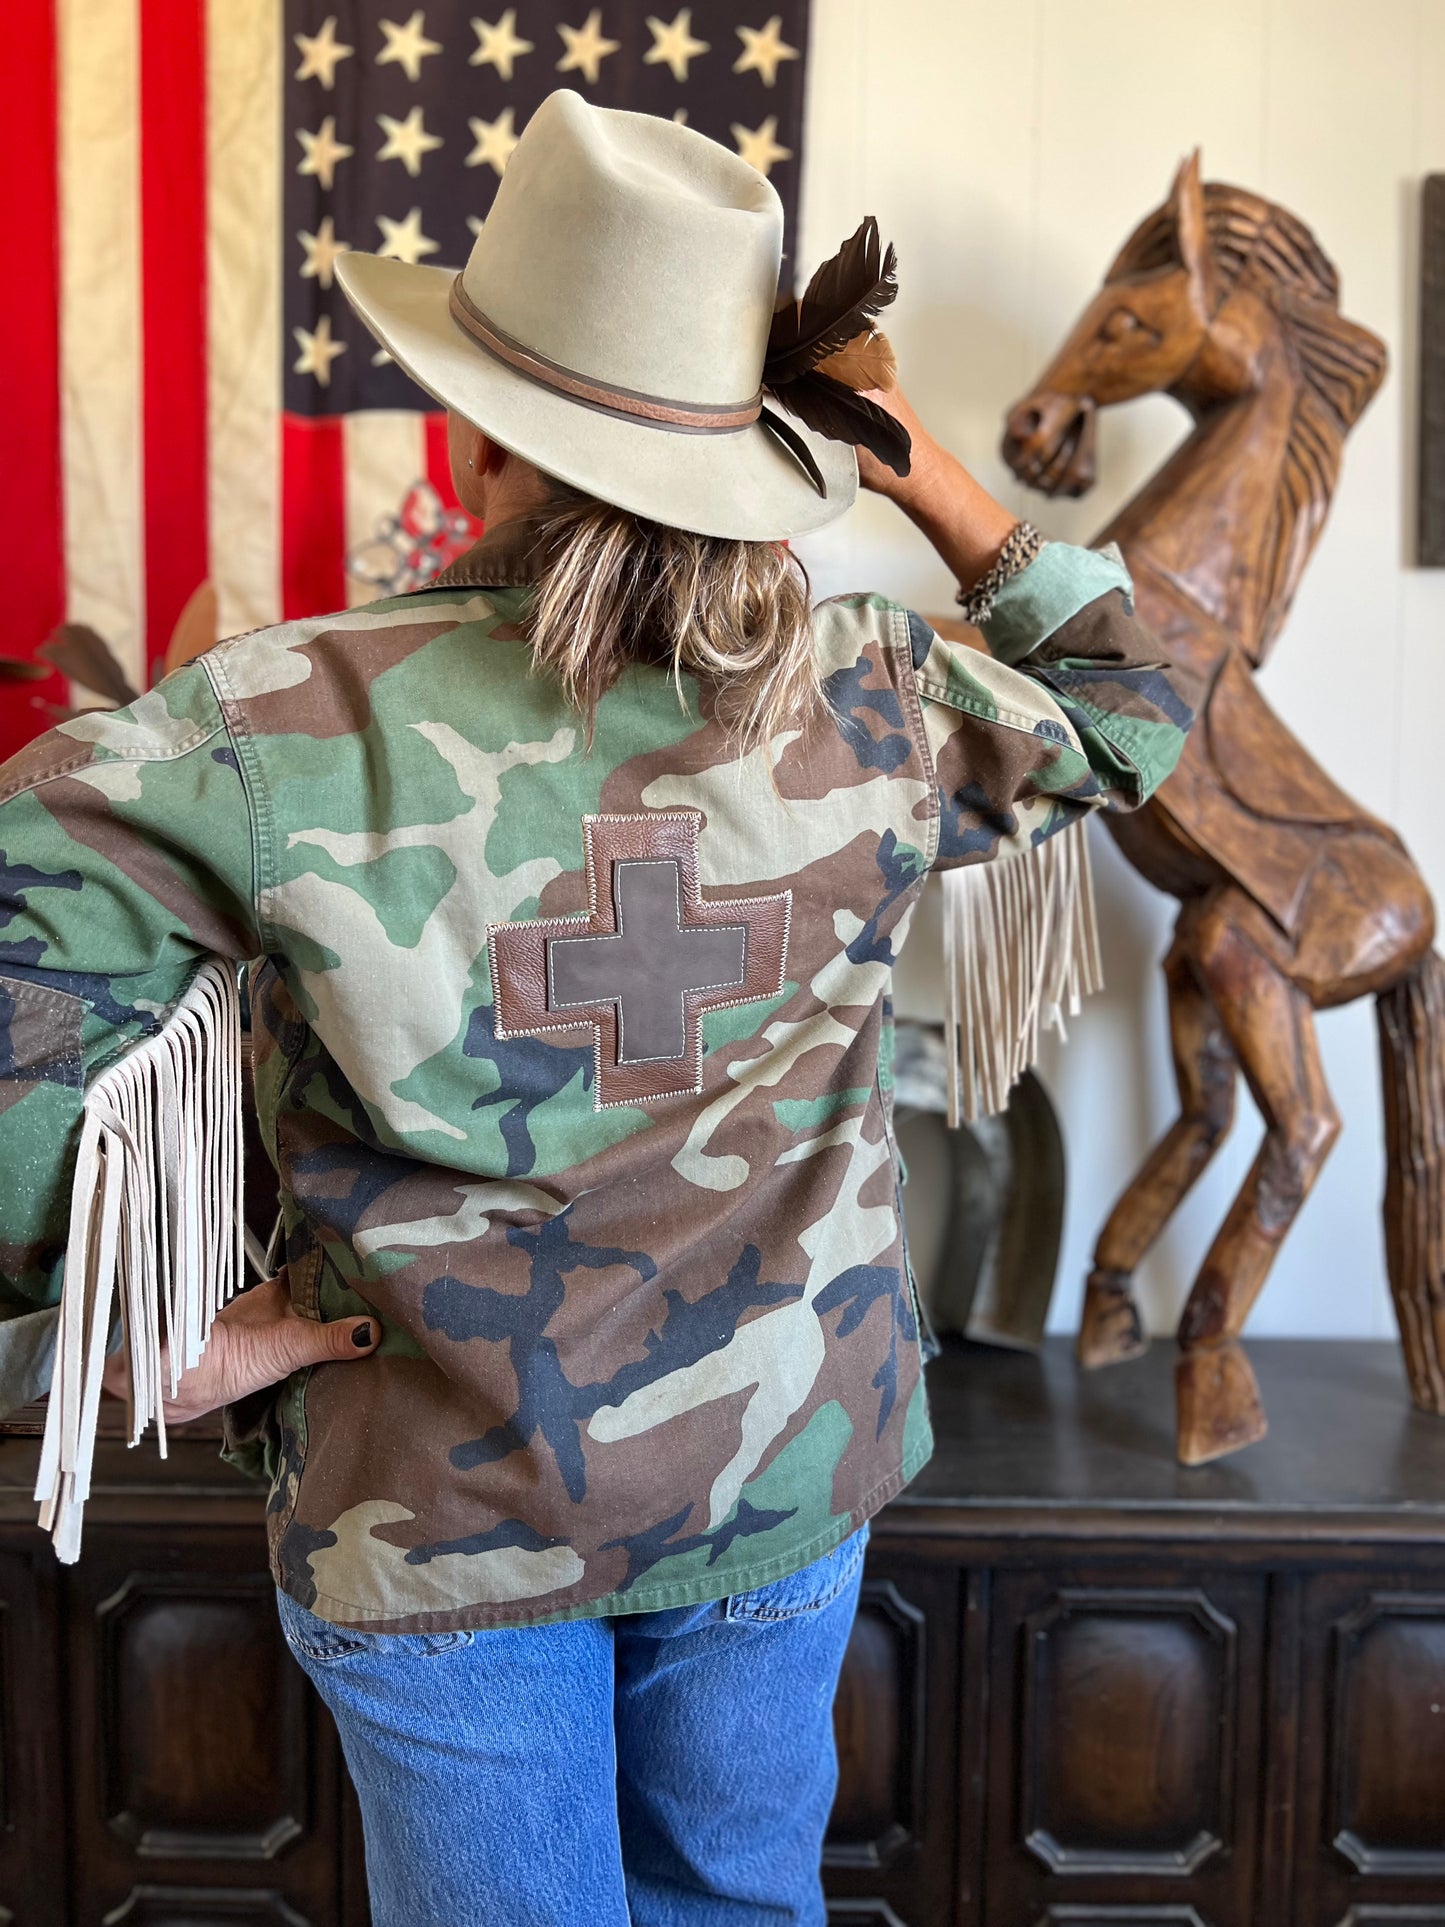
point(155, 1212)
point(1021, 947)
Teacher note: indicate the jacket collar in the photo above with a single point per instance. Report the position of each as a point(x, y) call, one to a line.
point(506, 557)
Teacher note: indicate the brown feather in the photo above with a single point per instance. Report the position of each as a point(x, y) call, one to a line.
point(866, 362)
point(14, 669)
point(87, 658)
point(839, 302)
point(830, 409)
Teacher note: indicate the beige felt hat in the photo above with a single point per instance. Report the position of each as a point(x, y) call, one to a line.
point(611, 324)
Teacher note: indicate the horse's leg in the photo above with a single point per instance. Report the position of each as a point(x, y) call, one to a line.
point(1204, 1067)
point(1270, 1022)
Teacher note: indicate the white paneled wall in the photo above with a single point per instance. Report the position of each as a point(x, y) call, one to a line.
point(1008, 150)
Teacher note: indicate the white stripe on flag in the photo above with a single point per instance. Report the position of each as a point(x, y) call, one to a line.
point(245, 49)
point(384, 453)
point(100, 323)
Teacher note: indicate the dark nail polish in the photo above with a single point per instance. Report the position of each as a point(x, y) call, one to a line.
point(361, 1337)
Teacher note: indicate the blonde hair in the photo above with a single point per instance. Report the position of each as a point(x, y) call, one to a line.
point(614, 590)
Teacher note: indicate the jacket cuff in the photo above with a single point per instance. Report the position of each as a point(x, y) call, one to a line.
point(1061, 580)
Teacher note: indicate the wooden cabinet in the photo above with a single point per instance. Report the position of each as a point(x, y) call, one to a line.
point(1086, 1688)
point(1180, 1698)
point(163, 1763)
point(235, 1809)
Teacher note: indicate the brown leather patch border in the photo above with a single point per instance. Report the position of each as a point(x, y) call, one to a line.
point(517, 953)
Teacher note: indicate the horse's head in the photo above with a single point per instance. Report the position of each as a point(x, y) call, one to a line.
point(1139, 335)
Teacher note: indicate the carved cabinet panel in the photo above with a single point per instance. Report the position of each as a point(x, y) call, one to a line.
point(1086, 1916)
point(889, 1850)
point(1387, 1916)
point(204, 1907)
point(1372, 1808)
point(34, 1824)
point(1124, 1746)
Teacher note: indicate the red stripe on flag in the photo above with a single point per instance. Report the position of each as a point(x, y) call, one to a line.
point(439, 474)
point(31, 505)
point(173, 308)
point(438, 463)
point(313, 516)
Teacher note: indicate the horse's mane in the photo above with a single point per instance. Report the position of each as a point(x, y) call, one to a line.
point(1269, 251)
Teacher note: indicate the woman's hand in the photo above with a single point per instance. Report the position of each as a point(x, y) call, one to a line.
point(878, 476)
point(960, 518)
point(259, 1339)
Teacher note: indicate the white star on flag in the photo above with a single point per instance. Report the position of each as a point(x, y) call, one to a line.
point(322, 248)
point(320, 53)
point(407, 141)
point(763, 48)
point(323, 151)
point(495, 140)
point(673, 44)
point(499, 46)
point(758, 146)
point(586, 48)
point(318, 351)
point(404, 240)
point(407, 45)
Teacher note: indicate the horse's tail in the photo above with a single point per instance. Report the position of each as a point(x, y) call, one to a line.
point(1411, 1016)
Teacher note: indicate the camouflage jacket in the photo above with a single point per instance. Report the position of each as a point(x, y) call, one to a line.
point(574, 1064)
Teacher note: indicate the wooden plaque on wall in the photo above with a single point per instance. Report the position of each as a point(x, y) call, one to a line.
point(1432, 373)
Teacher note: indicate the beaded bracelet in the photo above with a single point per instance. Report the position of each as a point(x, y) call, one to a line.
point(1023, 544)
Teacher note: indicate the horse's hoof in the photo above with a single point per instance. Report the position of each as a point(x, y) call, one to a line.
point(1422, 1334)
point(1111, 1329)
point(1219, 1408)
point(1427, 1395)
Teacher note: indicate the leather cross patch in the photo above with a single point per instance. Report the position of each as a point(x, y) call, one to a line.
point(648, 958)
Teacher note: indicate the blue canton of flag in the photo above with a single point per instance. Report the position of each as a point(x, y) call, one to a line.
point(397, 132)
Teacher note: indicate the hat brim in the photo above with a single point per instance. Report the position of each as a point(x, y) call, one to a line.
point(742, 485)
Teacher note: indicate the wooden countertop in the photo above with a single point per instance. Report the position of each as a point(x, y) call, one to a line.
point(1019, 1437)
point(1029, 1446)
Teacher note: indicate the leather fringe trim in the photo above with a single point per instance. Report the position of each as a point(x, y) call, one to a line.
point(155, 1216)
point(1021, 950)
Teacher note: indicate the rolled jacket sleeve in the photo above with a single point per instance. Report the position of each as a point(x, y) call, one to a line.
point(125, 859)
point(1072, 709)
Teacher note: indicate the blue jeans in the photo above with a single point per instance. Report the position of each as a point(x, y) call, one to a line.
point(665, 1769)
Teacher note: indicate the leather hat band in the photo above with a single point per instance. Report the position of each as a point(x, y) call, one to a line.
point(656, 410)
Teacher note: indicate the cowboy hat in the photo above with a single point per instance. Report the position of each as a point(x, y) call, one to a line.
point(611, 323)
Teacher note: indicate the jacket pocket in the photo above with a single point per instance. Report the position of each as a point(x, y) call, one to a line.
point(40, 1032)
point(42, 1093)
point(805, 1591)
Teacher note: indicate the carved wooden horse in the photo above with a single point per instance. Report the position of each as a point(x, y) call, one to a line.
point(1293, 898)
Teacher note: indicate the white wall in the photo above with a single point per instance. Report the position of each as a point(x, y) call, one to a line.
point(1007, 150)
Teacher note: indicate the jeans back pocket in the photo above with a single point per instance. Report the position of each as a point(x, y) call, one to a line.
point(311, 1637)
point(809, 1589)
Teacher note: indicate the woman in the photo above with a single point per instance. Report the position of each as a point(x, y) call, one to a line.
point(577, 878)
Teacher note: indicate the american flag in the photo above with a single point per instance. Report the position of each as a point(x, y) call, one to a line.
point(186, 396)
